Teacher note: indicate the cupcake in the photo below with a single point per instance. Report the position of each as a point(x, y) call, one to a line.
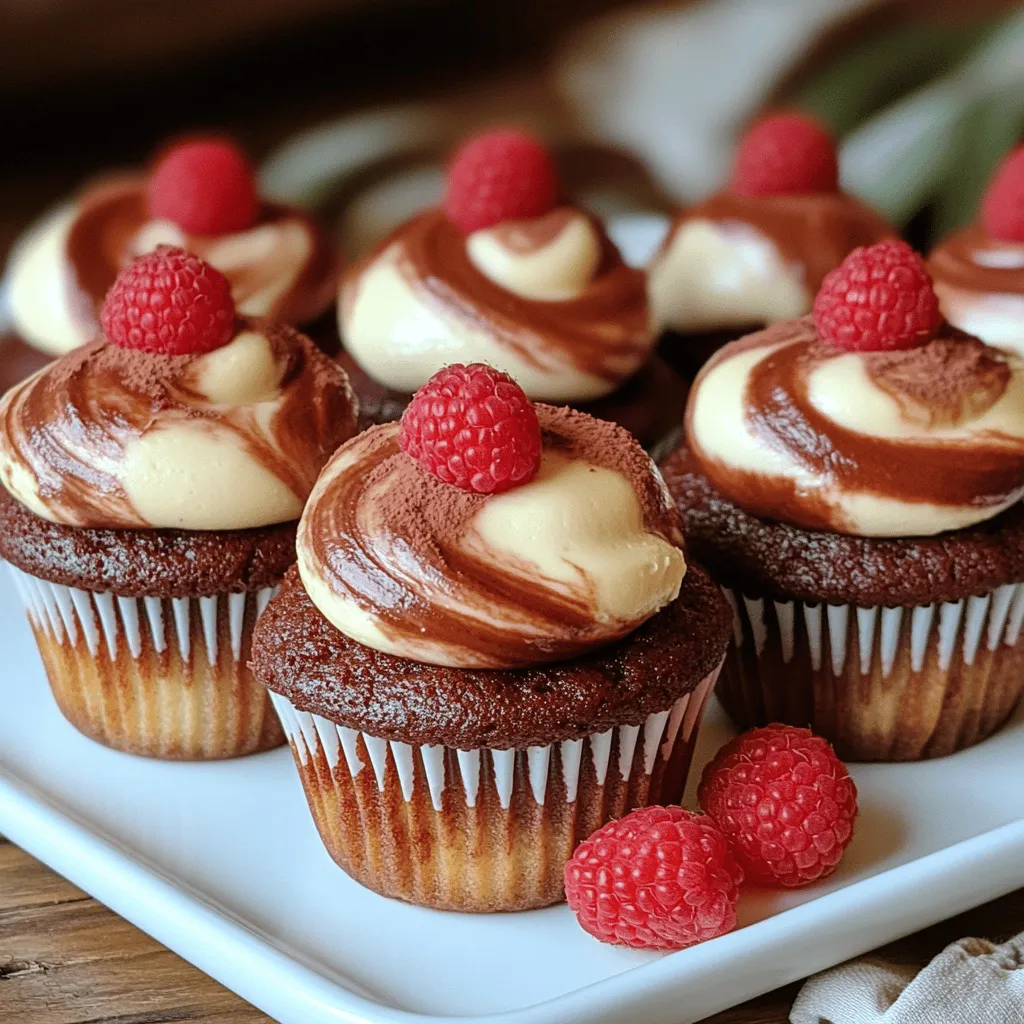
point(506, 274)
point(979, 270)
point(491, 645)
point(756, 252)
point(200, 196)
point(853, 479)
point(151, 484)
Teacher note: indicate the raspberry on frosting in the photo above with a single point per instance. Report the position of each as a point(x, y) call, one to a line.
point(659, 878)
point(785, 154)
point(785, 802)
point(169, 302)
point(503, 175)
point(473, 427)
point(878, 299)
point(206, 187)
point(1002, 208)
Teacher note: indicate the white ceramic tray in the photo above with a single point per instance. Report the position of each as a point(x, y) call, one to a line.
point(221, 862)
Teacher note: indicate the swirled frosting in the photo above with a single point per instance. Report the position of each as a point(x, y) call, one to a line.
point(877, 444)
point(577, 558)
point(549, 302)
point(979, 282)
point(739, 261)
point(282, 268)
point(228, 440)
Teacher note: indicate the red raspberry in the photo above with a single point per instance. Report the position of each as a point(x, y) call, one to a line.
point(206, 187)
point(787, 154)
point(784, 801)
point(1002, 208)
point(879, 298)
point(660, 878)
point(171, 302)
point(503, 175)
point(473, 427)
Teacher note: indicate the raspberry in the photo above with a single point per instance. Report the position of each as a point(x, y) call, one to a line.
point(473, 427)
point(784, 801)
point(206, 187)
point(171, 302)
point(503, 175)
point(1002, 208)
point(879, 298)
point(787, 154)
point(660, 878)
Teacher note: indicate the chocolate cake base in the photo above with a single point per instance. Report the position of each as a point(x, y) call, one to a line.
point(649, 406)
point(469, 789)
point(893, 649)
point(145, 635)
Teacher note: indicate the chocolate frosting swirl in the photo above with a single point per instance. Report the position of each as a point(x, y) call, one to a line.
point(954, 262)
point(949, 454)
point(816, 230)
point(110, 215)
point(406, 552)
point(605, 332)
point(70, 435)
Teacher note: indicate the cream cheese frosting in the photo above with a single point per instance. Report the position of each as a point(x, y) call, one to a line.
point(549, 302)
point(227, 440)
point(979, 282)
point(577, 558)
point(880, 444)
point(59, 272)
point(737, 261)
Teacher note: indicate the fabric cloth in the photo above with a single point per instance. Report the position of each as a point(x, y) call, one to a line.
point(970, 982)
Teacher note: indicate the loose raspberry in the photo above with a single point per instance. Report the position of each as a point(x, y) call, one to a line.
point(206, 187)
point(503, 175)
point(786, 154)
point(473, 427)
point(1002, 208)
point(660, 878)
point(879, 298)
point(171, 302)
point(784, 801)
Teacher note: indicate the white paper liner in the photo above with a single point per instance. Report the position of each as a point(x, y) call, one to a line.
point(993, 619)
point(657, 738)
point(108, 620)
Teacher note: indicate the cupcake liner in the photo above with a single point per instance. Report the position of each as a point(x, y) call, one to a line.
point(882, 683)
point(486, 829)
point(163, 677)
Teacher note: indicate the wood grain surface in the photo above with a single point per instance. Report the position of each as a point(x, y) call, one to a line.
point(66, 959)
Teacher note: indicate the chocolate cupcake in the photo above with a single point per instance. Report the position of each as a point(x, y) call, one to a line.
point(757, 252)
point(504, 275)
point(152, 480)
point(474, 682)
point(979, 270)
point(200, 196)
point(861, 509)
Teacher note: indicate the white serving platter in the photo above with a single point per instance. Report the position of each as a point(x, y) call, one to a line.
point(221, 863)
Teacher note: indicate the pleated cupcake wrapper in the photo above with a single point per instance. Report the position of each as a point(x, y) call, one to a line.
point(89, 640)
point(877, 650)
point(521, 812)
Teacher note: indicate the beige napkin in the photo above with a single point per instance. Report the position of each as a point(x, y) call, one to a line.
point(970, 982)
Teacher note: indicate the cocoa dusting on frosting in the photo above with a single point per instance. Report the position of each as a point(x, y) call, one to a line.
point(978, 470)
point(111, 213)
point(815, 231)
point(604, 333)
point(383, 533)
point(955, 263)
point(68, 429)
point(942, 383)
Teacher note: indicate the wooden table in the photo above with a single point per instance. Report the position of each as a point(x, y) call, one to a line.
point(66, 959)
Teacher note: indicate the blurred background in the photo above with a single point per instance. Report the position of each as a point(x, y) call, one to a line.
point(350, 104)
